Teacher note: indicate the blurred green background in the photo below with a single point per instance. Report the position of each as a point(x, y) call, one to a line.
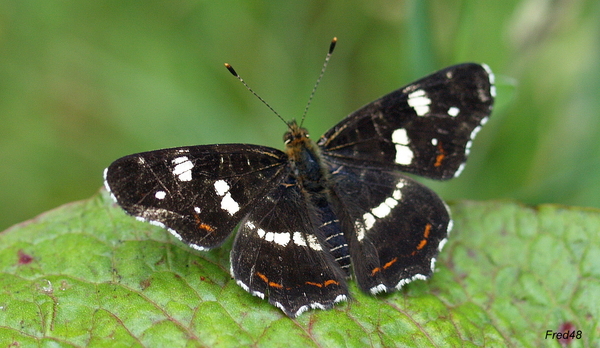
point(85, 82)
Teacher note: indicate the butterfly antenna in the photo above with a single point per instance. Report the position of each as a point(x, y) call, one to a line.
point(312, 94)
point(232, 71)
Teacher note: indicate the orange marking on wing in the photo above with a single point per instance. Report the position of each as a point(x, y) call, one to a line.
point(426, 235)
point(263, 277)
point(202, 225)
point(439, 158)
point(427, 231)
point(269, 283)
point(331, 281)
point(206, 227)
point(326, 283)
point(387, 265)
point(275, 285)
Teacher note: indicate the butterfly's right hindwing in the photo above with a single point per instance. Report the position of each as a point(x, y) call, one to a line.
point(394, 231)
point(199, 193)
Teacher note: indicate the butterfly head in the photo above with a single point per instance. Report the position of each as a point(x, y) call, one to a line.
point(295, 136)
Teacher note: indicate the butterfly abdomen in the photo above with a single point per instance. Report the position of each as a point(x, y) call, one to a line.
point(312, 178)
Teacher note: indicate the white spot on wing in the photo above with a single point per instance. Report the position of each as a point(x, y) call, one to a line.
point(377, 289)
point(279, 238)
point(442, 244)
point(230, 205)
point(227, 203)
point(221, 187)
point(282, 238)
point(298, 312)
point(385, 208)
point(156, 223)
point(475, 131)
point(490, 73)
point(340, 298)
point(450, 226)
point(245, 287)
point(112, 196)
point(492, 78)
point(183, 168)
point(399, 136)
point(459, 170)
point(360, 230)
point(406, 281)
point(299, 239)
point(369, 221)
point(160, 195)
point(468, 147)
point(242, 285)
point(313, 243)
point(308, 240)
point(419, 101)
point(198, 247)
point(453, 111)
point(391, 202)
point(381, 211)
point(317, 305)
point(404, 154)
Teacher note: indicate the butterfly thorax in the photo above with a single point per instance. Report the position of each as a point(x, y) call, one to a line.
point(304, 157)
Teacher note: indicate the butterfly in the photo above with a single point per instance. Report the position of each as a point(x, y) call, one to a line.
point(313, 215)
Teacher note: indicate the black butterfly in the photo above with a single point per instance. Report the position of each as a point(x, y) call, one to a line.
point(309, 214)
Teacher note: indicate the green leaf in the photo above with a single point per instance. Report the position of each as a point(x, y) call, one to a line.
point(86, 274)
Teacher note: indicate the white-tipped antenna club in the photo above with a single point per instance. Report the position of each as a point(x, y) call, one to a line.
point(331, 47)
point(232, 71)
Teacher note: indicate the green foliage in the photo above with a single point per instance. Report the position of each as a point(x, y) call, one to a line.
point(86, 274)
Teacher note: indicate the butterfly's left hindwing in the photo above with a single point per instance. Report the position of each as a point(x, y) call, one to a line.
point(199, 193)
point(278, 254)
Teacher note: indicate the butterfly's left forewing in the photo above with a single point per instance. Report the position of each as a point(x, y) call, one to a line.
point(199, 193)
